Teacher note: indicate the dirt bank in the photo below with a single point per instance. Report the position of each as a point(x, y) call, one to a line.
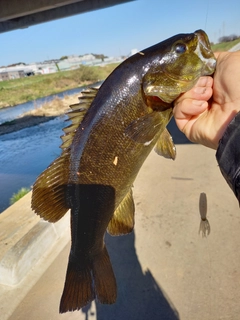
point(46, 112)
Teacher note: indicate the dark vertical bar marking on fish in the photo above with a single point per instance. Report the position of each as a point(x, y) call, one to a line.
point(89, 273)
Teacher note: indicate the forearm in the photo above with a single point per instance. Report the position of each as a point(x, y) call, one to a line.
point(228, 155)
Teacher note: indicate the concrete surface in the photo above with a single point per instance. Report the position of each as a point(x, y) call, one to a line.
point(28, 245)
point(165, 269)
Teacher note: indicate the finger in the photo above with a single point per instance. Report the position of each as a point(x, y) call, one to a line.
point(205, 81)
point(188, 107)
point(200, 91)
point(192, 106)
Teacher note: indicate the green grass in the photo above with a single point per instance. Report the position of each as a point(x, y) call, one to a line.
point(225, 46)
point(16, 91)
point(16, 196)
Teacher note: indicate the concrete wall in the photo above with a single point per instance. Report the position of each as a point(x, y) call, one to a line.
point(24, 239)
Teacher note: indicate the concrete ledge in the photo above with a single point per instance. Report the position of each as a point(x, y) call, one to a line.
point(24, 239)
point(20, 258)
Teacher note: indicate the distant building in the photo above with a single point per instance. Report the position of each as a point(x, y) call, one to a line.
point(8, 75)
point(4, 76)
point(68, 64)
point(51, 66)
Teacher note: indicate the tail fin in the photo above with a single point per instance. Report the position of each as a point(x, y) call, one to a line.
point(89, 281)
point(104, 279)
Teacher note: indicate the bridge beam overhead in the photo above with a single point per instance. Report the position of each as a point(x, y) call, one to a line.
point(15, 14)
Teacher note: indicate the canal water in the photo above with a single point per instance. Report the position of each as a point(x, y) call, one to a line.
point(24, 154)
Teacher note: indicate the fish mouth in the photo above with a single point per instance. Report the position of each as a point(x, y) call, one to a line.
point(204, 51)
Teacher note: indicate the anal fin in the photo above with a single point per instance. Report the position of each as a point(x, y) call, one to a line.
point(122, 221)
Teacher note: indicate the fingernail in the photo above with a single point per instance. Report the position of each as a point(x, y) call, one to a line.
point(202, 81)
point(200, 90)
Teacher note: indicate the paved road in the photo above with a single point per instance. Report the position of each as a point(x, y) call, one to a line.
point(235, 48)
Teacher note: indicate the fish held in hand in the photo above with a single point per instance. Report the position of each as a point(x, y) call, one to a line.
point(113, 130)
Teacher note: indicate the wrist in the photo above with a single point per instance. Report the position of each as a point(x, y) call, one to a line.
point(228, 155)
point(225, 125)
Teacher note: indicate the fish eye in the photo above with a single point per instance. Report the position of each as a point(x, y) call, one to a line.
point(180, 48)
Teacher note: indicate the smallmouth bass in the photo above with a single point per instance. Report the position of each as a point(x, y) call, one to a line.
point(113, 131)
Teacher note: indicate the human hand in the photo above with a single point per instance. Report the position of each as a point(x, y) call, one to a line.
point(204, 112)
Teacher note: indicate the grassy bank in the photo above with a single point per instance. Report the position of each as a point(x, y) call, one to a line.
point(13, 92)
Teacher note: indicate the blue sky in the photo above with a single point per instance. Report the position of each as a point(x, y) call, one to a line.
point(116, 30)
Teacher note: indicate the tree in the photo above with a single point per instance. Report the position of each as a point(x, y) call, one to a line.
point(228, 38)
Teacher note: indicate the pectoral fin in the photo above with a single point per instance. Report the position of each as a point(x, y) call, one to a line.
point(144, 129)
point(122, 221)
point(165, 146)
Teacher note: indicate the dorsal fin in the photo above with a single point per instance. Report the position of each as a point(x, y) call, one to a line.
point(76, 115)
point(48, 195)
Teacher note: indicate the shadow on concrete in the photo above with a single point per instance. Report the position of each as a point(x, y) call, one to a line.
point(139, 295)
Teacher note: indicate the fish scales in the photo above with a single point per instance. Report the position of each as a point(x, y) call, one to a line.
point(113, 130)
